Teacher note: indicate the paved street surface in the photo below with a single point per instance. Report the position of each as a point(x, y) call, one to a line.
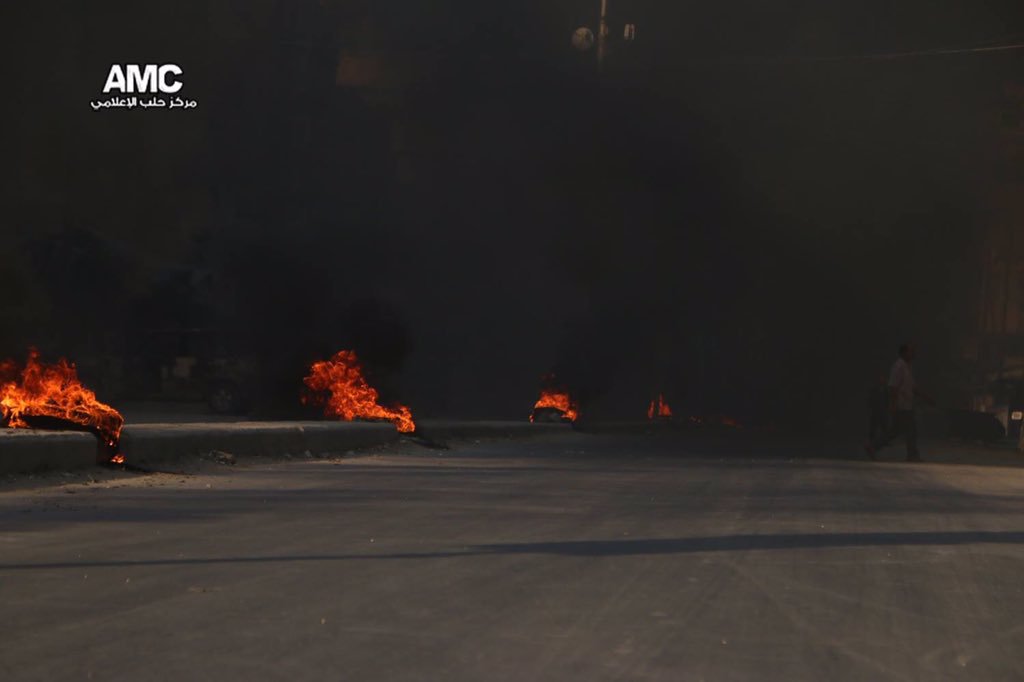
point(612, 557)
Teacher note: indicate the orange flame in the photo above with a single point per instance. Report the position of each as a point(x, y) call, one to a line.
point(41, 390)
point(350, 397)
point(556, 399)
point(661, 409)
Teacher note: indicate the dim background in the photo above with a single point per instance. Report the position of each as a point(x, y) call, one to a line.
point(735, 212)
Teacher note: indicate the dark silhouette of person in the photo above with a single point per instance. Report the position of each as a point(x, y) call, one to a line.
point(902, 393)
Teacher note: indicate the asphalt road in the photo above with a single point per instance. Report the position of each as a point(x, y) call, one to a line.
point(573, 558)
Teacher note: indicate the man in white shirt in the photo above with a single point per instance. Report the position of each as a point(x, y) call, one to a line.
point(902, 392)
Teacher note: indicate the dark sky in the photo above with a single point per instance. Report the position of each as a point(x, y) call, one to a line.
point(742, 211)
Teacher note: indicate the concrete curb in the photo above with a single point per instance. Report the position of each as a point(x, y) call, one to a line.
point(444, 430)
point(151, 445)
point(145, 445)
point(26, 450)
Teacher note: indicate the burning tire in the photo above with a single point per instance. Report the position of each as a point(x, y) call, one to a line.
point(339, 385)
point(549, 415)
point(555, 403)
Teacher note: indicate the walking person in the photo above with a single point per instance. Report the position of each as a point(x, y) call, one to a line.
point(902, 393)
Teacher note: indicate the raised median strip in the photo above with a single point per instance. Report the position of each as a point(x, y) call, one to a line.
point(28, 450)
point(145, 445)
point(445, 430)
point(151, 445)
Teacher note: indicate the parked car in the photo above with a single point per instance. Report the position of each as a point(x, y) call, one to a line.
point(1003, 399)
point(185, 365)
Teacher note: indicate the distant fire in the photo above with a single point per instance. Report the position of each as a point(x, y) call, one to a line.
point(659, 408)
point(555, 398)
point(39, 391)
point(349, 397)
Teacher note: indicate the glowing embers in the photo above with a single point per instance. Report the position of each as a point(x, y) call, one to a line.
point(42, 395)
point(659, 409)
point(554, 404)
point(339, 383)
